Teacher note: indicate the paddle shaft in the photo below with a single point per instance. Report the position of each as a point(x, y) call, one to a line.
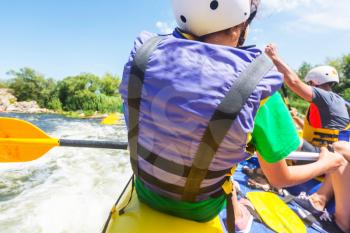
point(94, 144)
point(301, 156)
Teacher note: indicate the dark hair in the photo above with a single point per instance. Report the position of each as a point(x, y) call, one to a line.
point(253, 12)
point(226, 31)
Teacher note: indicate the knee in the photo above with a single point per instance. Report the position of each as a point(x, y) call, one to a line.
point(336, 146)
point(341, 146)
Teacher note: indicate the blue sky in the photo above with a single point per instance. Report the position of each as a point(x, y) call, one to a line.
point(67, 37)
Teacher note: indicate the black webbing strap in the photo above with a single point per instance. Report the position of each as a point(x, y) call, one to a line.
point(326, 135)
point(322, 142)
point(136, 79)
point(230, 214)
point(173, 167)
point(173, 188)
point(221, 122)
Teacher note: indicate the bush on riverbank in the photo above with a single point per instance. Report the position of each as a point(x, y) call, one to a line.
point(28, 85)
point(84, 92)
point(3, 84)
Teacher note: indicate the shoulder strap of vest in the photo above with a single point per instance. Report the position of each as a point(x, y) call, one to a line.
point(136, 80)
point(221, 122)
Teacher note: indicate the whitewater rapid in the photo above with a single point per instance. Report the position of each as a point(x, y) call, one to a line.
point(69, 190)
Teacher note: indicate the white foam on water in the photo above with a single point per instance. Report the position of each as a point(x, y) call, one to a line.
point(69, 190)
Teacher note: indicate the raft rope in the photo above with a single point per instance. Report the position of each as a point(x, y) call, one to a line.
point(122, 210)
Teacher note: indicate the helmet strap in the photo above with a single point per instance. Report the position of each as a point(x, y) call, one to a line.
point(242, 37)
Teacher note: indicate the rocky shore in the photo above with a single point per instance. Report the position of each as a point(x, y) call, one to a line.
point(8, 103)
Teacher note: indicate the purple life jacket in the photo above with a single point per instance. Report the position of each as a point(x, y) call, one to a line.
point(184, 83)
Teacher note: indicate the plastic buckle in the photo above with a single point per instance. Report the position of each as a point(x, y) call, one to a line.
point(227, 187)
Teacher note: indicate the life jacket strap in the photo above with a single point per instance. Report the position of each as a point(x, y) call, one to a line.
point(171, 166)
point(228, 189)
point(230, 214)
point(135, 85)
point(327, 135)
point(221, 122)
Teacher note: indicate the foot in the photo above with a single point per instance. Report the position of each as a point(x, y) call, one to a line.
point(318, 201)
point(308, 204)
point(259, 183)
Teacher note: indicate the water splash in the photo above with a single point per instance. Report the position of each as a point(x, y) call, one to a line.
point(68, 189)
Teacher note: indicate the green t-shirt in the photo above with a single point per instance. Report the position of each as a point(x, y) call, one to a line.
point(274, 136)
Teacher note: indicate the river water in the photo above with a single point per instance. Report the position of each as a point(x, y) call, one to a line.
point(68, 190)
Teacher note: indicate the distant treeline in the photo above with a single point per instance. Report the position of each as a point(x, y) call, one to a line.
point(89, 93)
point(85, 92)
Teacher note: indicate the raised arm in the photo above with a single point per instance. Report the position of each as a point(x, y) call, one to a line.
point(291, 78)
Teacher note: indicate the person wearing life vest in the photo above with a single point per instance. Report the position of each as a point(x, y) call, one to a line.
point(327, 119)
point(190, 99)
point(326, 123)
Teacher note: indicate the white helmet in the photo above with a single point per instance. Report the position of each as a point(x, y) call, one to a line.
point(202, 17)
point(322, 74)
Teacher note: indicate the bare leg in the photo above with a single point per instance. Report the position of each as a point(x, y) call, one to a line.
point(343, 148)
point(341, 186)
point(323, 195)
point(243, 219)
point(236, 209)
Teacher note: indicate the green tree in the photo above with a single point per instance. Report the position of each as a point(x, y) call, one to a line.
point(27, 84)
point(3, 84)
point(74, 85)
point(89, 93)
point(344, 72)
point(304, 69)
point(110, 85)
point(55, 104)
point(345, 66)
point(346, 94)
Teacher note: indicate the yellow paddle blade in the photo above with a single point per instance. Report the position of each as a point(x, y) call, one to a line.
point(21, 141)
point(275, 213)
point(111, 119)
